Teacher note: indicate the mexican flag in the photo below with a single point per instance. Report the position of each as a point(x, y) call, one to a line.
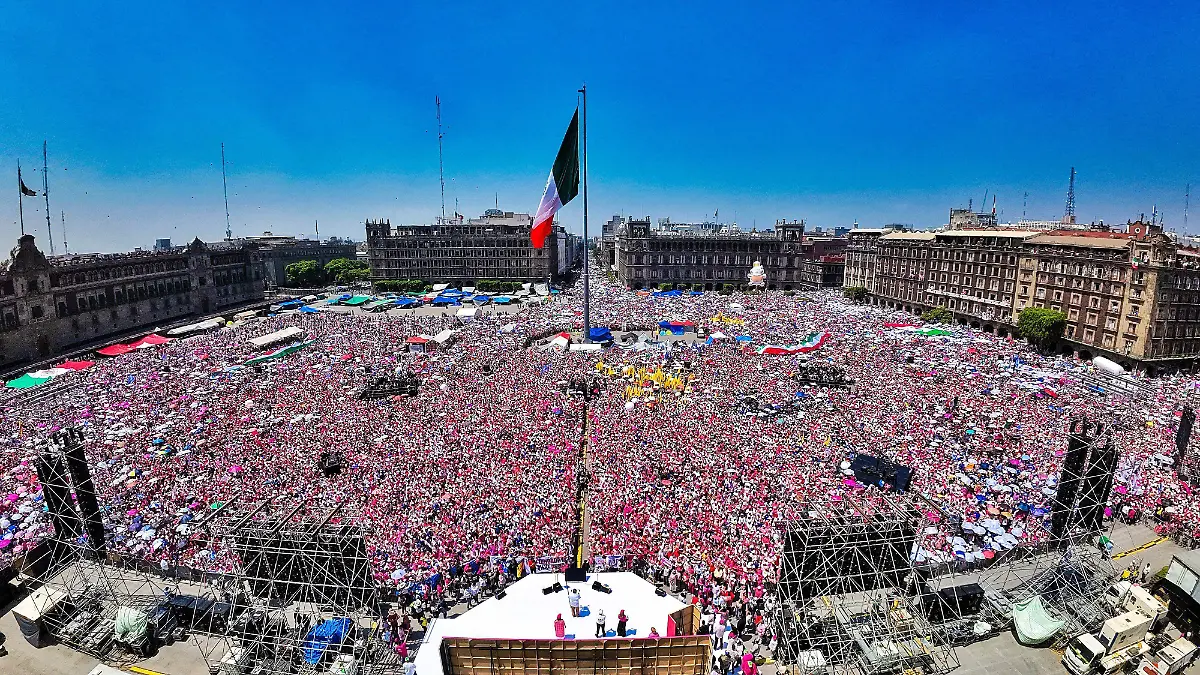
point(811, 342)
point(561, 187)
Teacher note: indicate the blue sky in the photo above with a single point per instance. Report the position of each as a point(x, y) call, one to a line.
point(832, 112)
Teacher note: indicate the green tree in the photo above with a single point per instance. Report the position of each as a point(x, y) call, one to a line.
point(938, 315)
point(346, 270)
point(1043, 327)
point(305, 273)
point(856, 294)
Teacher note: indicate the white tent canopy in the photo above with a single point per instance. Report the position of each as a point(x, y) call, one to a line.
point(283, 335)
point(197, 327)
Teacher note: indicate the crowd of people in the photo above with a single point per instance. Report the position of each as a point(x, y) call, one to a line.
point(697, 447)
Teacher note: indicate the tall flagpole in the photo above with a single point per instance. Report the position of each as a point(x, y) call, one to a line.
point(587, 298)
point(21, 197)
point(46, 194)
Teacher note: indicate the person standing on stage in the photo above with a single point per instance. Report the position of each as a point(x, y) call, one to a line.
point(621, 621)
point(600, 628)
point(573, 600)
point(560, 627)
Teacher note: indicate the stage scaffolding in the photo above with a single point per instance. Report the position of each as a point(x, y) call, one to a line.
point(87, 599)
point(850, 596)
point(301, 597)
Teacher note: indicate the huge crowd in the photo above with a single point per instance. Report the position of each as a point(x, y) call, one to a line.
point(687, 483)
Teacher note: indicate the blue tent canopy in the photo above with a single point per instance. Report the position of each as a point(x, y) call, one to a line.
point(744, 338)
point(481, 299)
point(309, 310)
point(668, 294)
point(291, 303)
point(406, 302)
point(501, 299)
point(327, 633)
point(600, 334)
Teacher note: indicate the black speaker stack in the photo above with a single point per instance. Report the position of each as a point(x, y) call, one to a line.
point(1182, 437)
point(1085, 481)
point(62, 470)
point(602, 588)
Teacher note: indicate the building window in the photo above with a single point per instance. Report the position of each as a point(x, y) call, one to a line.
point(36, 311)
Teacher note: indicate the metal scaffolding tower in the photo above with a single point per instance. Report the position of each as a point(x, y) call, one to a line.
point(850, 594)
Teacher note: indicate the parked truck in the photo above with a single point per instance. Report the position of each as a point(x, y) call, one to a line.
point(1169, 660)
point(1121, 640)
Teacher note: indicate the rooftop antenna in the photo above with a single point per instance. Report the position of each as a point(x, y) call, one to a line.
point(497, 201)
point(317, 228)
point(441, 173)
point(225, 188)
point(66, 249)
point(983, 204)
point(1187, 196)
point(1024, 204)
point(46, 194)
point(970, 204)
point(1069, 214)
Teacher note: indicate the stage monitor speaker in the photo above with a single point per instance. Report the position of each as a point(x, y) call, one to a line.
point(603, 588)
point(558, 587)
point(501, 594)
point(576, 574)
point(547, 590)
point(85, 490)
point(660, 592)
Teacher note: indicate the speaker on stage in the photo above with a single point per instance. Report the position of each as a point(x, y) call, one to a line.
point(576, 574)
point(1068, 484)
point(603, 588)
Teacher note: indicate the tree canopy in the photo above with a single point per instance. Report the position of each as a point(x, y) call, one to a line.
point(305, 273)
point(856, 294)
point(1041, 326)
point(938, 315)
point(347, 271)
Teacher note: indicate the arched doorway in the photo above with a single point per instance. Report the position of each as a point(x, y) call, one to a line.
point(43, 346)
point(708, 287)
point(1085, 355)
point(975, 325)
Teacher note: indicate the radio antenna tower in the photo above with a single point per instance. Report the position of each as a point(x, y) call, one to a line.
point(441, 171)
point(1069, 215)
point(66, 249)
point(46, 194)
point(225, 187)
point(1187, 197)
point(1024, 204)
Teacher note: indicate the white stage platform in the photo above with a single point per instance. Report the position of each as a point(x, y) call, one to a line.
point(524, 612)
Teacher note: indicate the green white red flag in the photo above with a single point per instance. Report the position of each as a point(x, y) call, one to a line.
point(561, 187)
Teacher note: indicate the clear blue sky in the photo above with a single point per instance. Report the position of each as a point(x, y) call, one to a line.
point(829, 111)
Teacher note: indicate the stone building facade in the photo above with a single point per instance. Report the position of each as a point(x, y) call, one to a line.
point(1133, 296)
point(647, 258)
point(862, 248)
point(51, 305)
point(828, 271)
point(461, 251)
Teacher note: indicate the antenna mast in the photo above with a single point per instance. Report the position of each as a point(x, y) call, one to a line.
point(441, 167)
point(1187, 197)
point(66, 249)
point(225, 187)
point(46, 194)
point(1069, 215)
point(317, 227)
point(1024, 204)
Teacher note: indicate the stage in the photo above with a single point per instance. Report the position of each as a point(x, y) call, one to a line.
point(526, 613)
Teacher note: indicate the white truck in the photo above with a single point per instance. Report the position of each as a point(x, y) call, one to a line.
point(1126, 596)
point(1169, 660)
point(1122, 639)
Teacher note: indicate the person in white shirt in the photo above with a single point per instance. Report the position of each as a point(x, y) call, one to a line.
point(573, 601)
point(600, 629)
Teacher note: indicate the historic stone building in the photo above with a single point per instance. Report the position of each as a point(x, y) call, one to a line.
point(862, 248)
point(461, 251)
point(647, 258)
point(828, 271)
point(970, 272)
point(1133, 296)
point(51, 305)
